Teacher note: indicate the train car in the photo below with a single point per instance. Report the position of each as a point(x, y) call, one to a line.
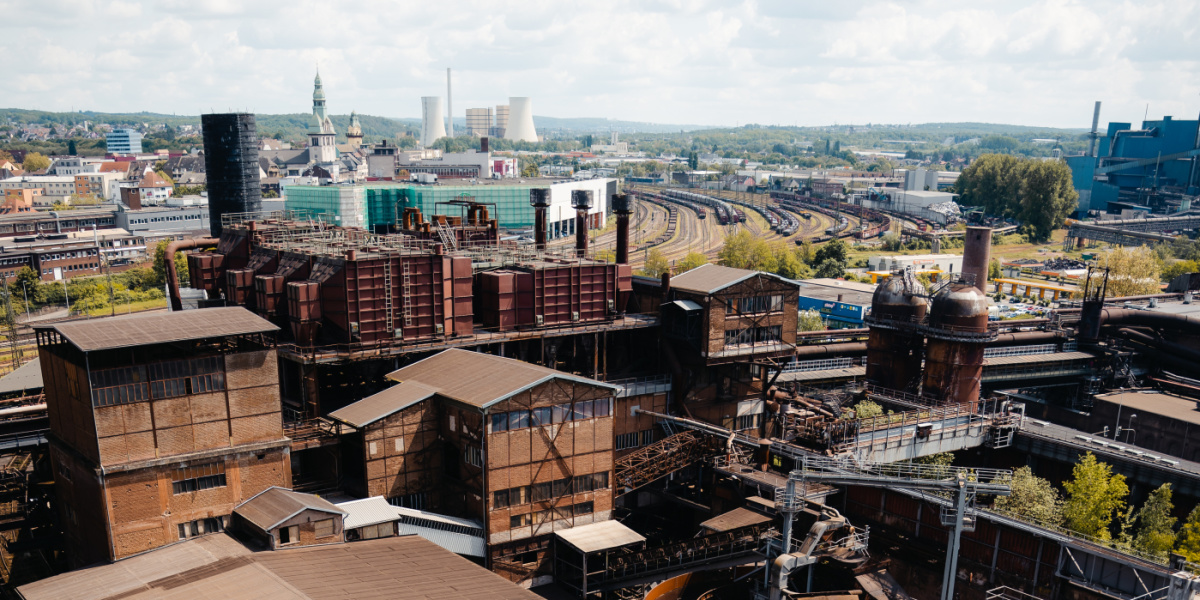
point(700, 212)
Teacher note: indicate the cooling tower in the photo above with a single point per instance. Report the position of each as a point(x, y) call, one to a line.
point(433, 125)
point(520, 120)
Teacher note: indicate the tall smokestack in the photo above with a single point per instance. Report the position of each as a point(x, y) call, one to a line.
point(231, 165)
point(449, 107)
point(621, 206)
point(582, 201)
point(1095, 130)
point(539, 198)
point(976, 254)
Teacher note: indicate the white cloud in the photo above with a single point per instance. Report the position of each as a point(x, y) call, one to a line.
point(1040, 62)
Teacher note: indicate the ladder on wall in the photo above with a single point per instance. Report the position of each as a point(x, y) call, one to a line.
point(406, 280)
point(387, 295)
point(447, 236)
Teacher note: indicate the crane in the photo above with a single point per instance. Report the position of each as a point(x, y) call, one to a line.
point(963, 482)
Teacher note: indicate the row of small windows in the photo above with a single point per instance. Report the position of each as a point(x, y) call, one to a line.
point(202, 526)
point(755, 304)
point(548, 415)
point(636, 439)
point(165, 219)
point(198, 477)
point(157, 380)
point(551, 514)
point(75, 267)
point(541, 492)
point(753, 335)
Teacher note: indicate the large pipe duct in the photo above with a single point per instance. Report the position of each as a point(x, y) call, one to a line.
point(621, 207)
point(581, 200)
point(539, 198)
point(976, 254)
point(1146, 318)
point(172, 274)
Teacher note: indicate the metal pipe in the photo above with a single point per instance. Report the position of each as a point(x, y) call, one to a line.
point(621, 207)
point(172, 274)
point(539, 198)
point(976, 254)
point(1127, 316)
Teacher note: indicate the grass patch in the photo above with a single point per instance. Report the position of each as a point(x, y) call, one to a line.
point(130, 307)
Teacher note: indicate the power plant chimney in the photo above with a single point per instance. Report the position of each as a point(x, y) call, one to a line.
point(581, 200)
point(621, 206)
point(231, 165)
point(449, 107)
point(539, 198)
point(976, 254)
point(1095, 130)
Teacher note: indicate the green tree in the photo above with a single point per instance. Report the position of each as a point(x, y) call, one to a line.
point(867, 409)
point(994, 271)
point(805, 252)
point(1032, 498)
point(1187, 541)
point(830, 269)
point(1131, 271)
point(1155, 532)
point(991, 182)
point(1094, 496)
point(691, 261)
point(693, 160)
point(810, 320)
point(530, 170)
point(1047, 196)
point(71, 148)
point(833, 249)
point(1178, 268)
point(34, 161)
point(160, 265)
point(656, 264)
point(5, 156)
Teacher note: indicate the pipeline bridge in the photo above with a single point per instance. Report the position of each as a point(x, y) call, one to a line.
point(1131, 232)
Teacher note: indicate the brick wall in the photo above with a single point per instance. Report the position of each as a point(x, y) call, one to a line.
point(401, 453)
point(625, 422)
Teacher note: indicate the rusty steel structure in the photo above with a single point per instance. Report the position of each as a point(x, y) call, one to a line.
point(977, 254)
point(622, 207)
point(581, 201)
point(660, 458)
point(894, 355)
point(958, 336)
point(539, 198)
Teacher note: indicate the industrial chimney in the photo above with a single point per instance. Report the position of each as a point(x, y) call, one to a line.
point(449, 107)
point(581, 200)
point(231, 166)
point(539, 198)
point(976, 254)
point(621, 206)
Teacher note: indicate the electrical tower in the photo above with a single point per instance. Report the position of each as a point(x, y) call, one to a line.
point(10, 324)
point(964, 483)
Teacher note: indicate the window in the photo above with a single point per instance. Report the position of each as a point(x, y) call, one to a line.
point(417, 500)
point(500, 499)
point(197, 478)
point(370, 532)
point(518, 419)
point(758, 304)
point(647, 437)
point(499, 422)
point(119, 386)
point(520, 521)
point(473, 455)
point(745, 422)
point(289, 535)
point(542, 491)
point(583, 508)
point(323, 528)
point(604, 407)
point(626, 441)
point(542, 416)
point(201, 526)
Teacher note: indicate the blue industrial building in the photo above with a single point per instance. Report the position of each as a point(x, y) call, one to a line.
point(1153, 168)
point(842, 304)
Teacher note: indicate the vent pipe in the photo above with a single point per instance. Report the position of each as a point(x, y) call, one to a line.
point(581, 200)
point(539, 198)
point(976, 255)
point(621, 206)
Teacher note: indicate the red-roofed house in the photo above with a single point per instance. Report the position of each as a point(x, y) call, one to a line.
point(155, 189)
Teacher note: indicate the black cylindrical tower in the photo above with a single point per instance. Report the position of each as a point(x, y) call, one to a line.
point(582, 201)
point(622, 207)
point(231, 166)
point(539, 198)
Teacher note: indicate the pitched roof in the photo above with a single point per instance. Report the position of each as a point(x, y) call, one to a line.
point(153, 180)
point(368, 511)
point(26, 377)
point(161, 328)
point(599, 536)
point(218, 567)
point(735, 519)
point(480, 379)
point(274, 505)
point(385, 403)
point(710, 278)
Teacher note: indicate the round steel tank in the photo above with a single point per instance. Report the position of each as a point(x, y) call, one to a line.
point(894, 357)
point(954, 361)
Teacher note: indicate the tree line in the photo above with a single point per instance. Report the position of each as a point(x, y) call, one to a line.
point(1039, 193)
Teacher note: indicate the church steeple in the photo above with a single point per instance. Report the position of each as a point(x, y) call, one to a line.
point(318, 97)
point(321, 136)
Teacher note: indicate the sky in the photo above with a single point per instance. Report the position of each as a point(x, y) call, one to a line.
point(778, 62)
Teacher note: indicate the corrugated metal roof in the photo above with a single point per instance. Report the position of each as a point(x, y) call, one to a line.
point(481, 379)
point(734, 519)
point(368, 511)
point(710, 278)
point(421, 514)
point(687, 305)
point(217, 567)
point(1036, 358)
point(458, 543)
point(275, 505)
point(161, 328)
point(599, 536)
point(27, 377)
point(375, 407)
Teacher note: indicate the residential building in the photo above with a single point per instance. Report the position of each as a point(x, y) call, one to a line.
point(164, 218)
point(54, 188)
point(102, 186)
point(154, 189)
point(160, 425)
point(19, 201)
point(124, 141)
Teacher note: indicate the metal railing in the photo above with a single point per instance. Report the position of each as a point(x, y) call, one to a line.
point(1020, 350)
point(800, 366)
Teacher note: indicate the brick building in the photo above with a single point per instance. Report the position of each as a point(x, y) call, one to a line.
point(160, 425)
point(525, 449)
point(723, 322)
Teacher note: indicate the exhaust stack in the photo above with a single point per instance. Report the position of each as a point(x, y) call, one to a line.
point(622, 207)
point(581, 200)
point(976, 255)
point(539, 198)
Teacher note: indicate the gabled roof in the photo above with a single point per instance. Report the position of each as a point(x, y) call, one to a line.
point(381, 405)
point(274, 505)
point(161, 328)
point(153, 180)
point(480, 379)
point(710, 278)
point(604, 535)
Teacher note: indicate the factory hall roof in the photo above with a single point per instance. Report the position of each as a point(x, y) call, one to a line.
point(27, 377)
point(218, 567)
point(604, 535)
point(162, 328)
point(475, 378)
point(735, 519)
point(710, 278)
point(384, 404)
point(275, 505)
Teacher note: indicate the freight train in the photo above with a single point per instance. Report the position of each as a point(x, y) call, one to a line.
point(724, 213)
point(875, 223)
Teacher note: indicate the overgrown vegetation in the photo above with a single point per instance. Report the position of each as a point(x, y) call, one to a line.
point(1039, 193)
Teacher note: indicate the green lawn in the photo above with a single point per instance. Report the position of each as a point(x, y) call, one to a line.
point(130, 307)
